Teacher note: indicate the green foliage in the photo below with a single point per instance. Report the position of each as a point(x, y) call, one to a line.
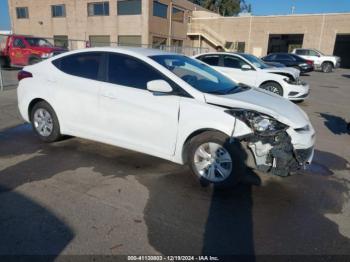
point(224, 7)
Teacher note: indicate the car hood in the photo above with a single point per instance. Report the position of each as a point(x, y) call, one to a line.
point(264, 102)
point(295, 73)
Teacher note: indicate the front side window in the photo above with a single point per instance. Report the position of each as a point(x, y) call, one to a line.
point(233, 62)
point(212, 60)
point(86, 65)
point(284, 57)
point(160, 10)
point(255, 61)
point(313, 53)
point(128, 71)
point(58, 10)
point(41, 42)
point(129, 7)
point(178, 15)
point(22, 12)
point(98, 9)
point(199, 75)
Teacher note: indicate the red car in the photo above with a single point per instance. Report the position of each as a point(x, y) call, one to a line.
point(19, 50)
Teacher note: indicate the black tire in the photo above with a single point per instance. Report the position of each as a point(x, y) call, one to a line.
point(273, 87)
point(327, 67)
point(235, 150)
point(55, 134)
point(34, 60)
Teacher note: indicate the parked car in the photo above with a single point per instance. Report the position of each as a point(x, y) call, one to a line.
point(252, 71)
point(19, 50)
point(322, 62)
point(177, 108)
point(290, 60)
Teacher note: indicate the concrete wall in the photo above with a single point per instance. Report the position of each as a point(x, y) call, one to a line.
point(319, 30)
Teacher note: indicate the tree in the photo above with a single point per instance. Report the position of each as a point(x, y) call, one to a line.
point(222, 7)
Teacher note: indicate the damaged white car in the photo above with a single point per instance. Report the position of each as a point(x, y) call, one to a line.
point(250, 70)
point(166, 105)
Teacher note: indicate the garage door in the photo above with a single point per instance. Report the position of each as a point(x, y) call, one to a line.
point(342, 49)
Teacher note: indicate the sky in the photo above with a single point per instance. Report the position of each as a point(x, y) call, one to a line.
point(259, 7)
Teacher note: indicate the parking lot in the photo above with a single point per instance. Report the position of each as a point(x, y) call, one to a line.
point(81, 197)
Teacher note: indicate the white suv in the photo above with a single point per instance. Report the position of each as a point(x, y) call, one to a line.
point(166, 105)
point(321, 61)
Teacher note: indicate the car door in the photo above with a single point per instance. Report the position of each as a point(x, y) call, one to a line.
point(17, 48)
point(133, 117)
point(285, 59)
point(234, 67)
point(75, 91)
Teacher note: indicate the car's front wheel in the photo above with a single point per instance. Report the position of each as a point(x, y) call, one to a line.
point(213, 159)
point(327, 67)
point(273, 87)
point(44, 122)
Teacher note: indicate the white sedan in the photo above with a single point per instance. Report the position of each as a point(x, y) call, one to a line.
point(250, 70)
point(166, 105)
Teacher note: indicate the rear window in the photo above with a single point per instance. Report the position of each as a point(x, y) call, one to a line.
point(86, 65)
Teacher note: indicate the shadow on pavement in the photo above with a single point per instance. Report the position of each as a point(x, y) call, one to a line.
point(337, 125)
point(28, 228)
point(284, 216)
point(347, 76)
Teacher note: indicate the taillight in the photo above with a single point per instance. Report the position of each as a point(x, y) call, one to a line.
point(23, 74)
point(309, 62)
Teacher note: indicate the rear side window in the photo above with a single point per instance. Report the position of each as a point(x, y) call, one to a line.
point(302, 52)
point(128, 71)
point(86, 65)
point(212, 60)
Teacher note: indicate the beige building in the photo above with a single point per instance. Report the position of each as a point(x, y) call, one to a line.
point(179, 23)
point(137, 22)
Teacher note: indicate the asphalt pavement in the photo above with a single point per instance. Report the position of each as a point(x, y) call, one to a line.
point(81, 197)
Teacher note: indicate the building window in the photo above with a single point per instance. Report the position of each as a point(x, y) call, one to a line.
point(58, 10)
point(160, 10)
point(22, 12)
point(176, 43)
point(129, 7)
point(129, 40)
point(99, 40)
point(98, 9)
point(158, 42)
point(60, 41)
point(178, 15)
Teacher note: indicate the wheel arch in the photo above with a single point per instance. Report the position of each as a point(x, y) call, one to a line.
point(270, 81)
point(328, 61)
point(33, 103)
point(194, 134)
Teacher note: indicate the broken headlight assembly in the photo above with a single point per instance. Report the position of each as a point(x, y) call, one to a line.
point(261, 124)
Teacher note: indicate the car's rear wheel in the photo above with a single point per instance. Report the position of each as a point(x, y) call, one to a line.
point(327, 67)
point(44, 122)
point(273, 87)
point(213, 159)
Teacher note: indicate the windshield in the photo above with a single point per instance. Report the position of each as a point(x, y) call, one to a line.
point(255, 61)
point(38, 42)
point(197, 74)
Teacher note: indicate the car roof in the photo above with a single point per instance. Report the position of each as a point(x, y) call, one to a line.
point(137, 51)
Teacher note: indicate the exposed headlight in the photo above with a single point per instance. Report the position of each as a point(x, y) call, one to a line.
point(46, 55)
point(260, 123)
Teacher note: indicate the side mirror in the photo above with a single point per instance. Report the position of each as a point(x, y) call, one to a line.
point(246, 67)
point(159, 86)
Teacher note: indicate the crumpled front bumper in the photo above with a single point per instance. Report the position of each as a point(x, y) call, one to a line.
point(283, 153)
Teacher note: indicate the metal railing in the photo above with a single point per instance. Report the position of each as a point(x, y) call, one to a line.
point(8, 73)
